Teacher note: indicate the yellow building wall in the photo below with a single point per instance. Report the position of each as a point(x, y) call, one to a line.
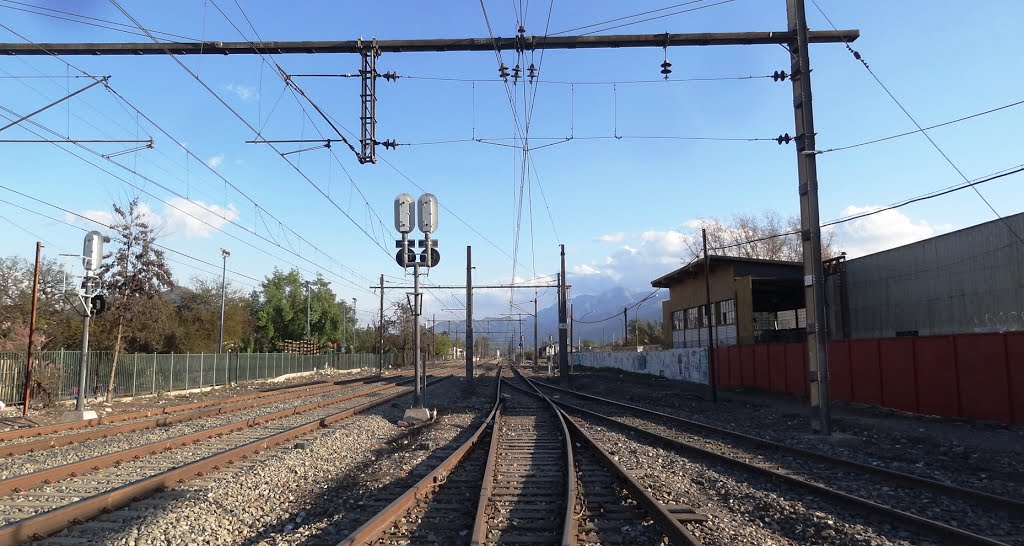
point(691, 292)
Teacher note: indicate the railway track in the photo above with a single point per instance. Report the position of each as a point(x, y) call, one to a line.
point(519, 480)
point(42, 503)
point(946, 512)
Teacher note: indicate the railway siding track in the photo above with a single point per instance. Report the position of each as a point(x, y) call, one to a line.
point(58, 428)
point(950, 512)
point(83, 497)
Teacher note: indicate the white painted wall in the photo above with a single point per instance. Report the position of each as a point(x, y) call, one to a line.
point(682, 364)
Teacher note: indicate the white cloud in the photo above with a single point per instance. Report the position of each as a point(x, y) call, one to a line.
point(245, 93)
point(102, 216)
point(215, 161)
point(585, 269)
point(647, 256)
point(195, 218)
point(612, 238)
point(881, 231)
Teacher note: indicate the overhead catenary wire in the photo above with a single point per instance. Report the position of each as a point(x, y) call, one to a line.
point(920, 129)
point(189, 153)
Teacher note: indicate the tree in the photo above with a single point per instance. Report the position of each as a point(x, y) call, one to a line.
point(279, 310)
point(134, 279)
point(442, 345)
point(649, 333)
point(752, 236)
point(481, 347)
point(197, 317)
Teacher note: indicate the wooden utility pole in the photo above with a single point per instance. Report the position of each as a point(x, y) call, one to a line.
point(712, 380)
point(810, 224)
point(32, 330)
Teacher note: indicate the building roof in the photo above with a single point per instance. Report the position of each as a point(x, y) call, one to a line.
point(742, 267)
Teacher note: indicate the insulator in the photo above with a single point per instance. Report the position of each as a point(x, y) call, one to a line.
point(515, 72)
point(522, 29)
point(666, 68)
point(532, 72)
point(783, 139)
point(503, 71)
point(780, 75)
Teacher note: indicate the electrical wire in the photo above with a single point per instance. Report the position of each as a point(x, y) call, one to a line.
point(688, 10)
point(920, 129)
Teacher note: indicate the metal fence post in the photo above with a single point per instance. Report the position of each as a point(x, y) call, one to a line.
point(135, 375)
point(215, 359)
point(153, 391)
point(171, 375)
point(200, 371)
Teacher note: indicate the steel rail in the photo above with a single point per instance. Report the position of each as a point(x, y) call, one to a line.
point(1005, 504)
point(931, 527)
point(24, 482)
point(47, 523)
point(376, 526)
point(142, 414)
point(100, 433)
point(480, 525)
point(670, 523)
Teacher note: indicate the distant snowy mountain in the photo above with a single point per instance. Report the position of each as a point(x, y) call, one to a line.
point(588, 312)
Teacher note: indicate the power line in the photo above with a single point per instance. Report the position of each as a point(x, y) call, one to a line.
point(920, 129)
point(191, 154)
point(903, 203)
point(84, 19)
point(688, 10)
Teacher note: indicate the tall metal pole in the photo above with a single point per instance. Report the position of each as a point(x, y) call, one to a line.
point(418, 401)
point(712, 380)
point(380, 356)
point(536, 348)
point(223, 297)
point(625, 326)
point(810, 223)
point(355, 320)
point(84, 363)
point(563, 327)
point(307, 311)
point(469, 315)
point(32, 330)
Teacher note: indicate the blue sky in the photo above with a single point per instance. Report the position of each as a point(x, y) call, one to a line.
point(624, 207)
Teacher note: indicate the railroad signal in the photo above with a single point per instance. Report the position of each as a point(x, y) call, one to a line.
point(405, 216)
point(426, 209)
point(92, 250)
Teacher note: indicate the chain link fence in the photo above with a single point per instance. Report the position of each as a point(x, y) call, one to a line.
point(138, 374)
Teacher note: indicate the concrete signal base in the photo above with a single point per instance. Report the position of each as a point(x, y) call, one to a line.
point(84, 415)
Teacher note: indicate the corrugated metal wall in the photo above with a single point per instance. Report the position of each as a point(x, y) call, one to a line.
point(965, 281)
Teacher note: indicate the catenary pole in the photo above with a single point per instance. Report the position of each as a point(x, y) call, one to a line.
point(380, 354)
point(810, 223)
point(563, 327)
point(469, 315)
point(223, 297)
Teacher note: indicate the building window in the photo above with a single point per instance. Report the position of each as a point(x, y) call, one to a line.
point(693, 318)
point(677, 320)
point(726, 312)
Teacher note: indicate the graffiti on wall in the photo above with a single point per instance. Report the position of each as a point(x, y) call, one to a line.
point(1000, 322)
point(682, 364)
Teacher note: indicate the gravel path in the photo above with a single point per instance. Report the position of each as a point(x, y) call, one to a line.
point(977, 456)
point(312, 493)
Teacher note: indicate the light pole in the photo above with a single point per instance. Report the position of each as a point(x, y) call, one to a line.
point(354, 321)
point(307, 312)
point(223, 286)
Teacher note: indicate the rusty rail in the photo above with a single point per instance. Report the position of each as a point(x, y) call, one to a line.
point(47, 476)
point(142, 414)
point(47, 523)
point(380, 523)
point(71, 439)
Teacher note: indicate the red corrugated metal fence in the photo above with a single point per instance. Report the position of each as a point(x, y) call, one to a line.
point(975, 376)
